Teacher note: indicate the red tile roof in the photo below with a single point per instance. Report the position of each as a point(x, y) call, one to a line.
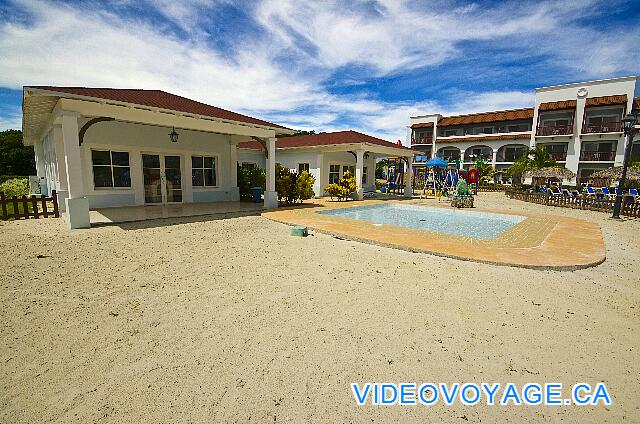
point(484, 138)
point(160, 99)
point(607, 100)
point(422, 125)
point(477, 118)
point(323, 139)
point(565, 104)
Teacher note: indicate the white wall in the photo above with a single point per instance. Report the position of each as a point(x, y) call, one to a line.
point(137, 139)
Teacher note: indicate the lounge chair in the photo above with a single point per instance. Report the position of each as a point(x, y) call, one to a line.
point(554, 191)
point(633, 191)
point(607, 193)
point(575, 193)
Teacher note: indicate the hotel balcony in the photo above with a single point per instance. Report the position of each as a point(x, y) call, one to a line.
point(604, 127)
point(422, 140)
point(597, 156)
point(558, 156)
point(551, 130)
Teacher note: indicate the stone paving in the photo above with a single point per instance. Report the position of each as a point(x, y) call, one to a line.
point(541, 241)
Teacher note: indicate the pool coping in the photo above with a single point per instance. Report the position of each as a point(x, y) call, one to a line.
point(542, 241)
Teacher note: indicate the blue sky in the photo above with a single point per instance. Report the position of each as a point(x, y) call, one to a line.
point(363, 65)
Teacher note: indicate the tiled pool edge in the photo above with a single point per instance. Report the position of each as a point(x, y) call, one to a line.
point(570, 245)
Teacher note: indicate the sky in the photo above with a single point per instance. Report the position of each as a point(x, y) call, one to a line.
point(321, 65)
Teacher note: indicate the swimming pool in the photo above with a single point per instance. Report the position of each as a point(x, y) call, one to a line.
point(482, 225)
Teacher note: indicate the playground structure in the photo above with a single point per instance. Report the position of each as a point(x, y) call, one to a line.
point(435, 178)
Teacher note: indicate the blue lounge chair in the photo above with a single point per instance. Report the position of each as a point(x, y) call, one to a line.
point(633, 191)
point(607, 193)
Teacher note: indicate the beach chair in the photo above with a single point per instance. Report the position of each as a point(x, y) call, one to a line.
point(575, 193)
point(554, 191)
point(633, 191)
point(606, 192)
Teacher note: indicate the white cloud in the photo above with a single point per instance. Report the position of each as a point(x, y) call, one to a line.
point(64, 45)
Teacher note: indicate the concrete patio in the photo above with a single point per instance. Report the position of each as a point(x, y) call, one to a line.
point(141, 213)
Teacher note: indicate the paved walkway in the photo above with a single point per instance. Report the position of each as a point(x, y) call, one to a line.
point(540, 241)
point(141, 213)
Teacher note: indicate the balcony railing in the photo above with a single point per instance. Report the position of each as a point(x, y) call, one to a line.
point(598, 156)
point(450, 159)
point(558, 156)
point(604, 127)
point(555, 130)
point(422, 140)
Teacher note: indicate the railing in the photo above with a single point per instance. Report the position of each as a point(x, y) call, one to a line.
point(495, 187)
point(605, 127)
point(558, 156)
point(630, 207)
point(422, 140)
point(555, 130)
point(598, 156)
point(450, 159)
point(29, 207)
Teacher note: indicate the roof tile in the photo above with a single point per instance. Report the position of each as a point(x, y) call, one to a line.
point(607, 100)
point(159, 99)
point(477, 118)
point(564, 104)
point(323, 139)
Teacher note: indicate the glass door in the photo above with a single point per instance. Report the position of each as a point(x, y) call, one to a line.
point(162, 179)
point(173, 179)
point(152, 179)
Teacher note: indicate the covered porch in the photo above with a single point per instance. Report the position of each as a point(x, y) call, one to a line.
point(118, 157)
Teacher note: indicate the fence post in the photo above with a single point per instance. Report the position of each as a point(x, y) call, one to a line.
point(45, 210)
point(25, 207)
point(16, 211)
point(3, 202)
point(34, 206)
point(56, 209)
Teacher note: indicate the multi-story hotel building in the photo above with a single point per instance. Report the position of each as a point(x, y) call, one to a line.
point(579, 124)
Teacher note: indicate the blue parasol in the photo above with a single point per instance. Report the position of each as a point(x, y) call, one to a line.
point(438, 162)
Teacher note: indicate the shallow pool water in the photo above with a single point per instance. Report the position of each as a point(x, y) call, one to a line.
point(482, 225)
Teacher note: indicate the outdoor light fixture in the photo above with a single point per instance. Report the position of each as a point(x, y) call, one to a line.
point(628, 126)
point(173, 135)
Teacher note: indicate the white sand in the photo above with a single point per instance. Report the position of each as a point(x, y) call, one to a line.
point(235, 320)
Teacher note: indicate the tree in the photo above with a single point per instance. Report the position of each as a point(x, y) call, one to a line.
point(485, 170)
point(380, 169)
point(15, 157)
point(536, 158)
point(297, 133)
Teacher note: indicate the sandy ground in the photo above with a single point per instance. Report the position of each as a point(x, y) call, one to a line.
point(234, 320)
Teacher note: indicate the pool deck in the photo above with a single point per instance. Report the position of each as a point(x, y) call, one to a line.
point(541, 241)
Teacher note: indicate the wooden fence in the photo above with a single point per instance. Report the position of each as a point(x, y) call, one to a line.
point(32, 207)
point(630, 207)
point(492, 188)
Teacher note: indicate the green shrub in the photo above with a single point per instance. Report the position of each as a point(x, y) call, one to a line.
point(15, 187)
point(248, 178)
point(293, 186)
point(344, 188)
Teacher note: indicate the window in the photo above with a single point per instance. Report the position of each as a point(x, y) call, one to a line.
point(334, 174)
point(110, 169)
point(453, 132)
point(303, 167)
point(203, 171)
point(483, 130)
point(247, 166)
point(350, 169)
point(364, 175)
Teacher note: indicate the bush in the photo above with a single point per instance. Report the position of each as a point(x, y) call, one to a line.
point(343, 189)
point(248, 178)
point(293, 186)
point(15, 187)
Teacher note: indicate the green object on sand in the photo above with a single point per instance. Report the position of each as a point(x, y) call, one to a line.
point(299, 231)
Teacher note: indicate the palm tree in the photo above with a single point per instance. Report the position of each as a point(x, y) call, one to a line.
point(536, 158)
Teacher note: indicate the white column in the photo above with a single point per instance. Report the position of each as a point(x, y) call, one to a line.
point(495, 158)
point(270, 195)
point(233, 171)
point(359, 171)
point(77, 205)
point(320, 175)
point(137, 177)
point(60, 184)
point(408, 189)
point(573, 153)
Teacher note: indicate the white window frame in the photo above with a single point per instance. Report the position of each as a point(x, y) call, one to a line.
point(308, 166)
point(111, 166)
point(216, 172)
point(364, 175)
point(333, 172)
